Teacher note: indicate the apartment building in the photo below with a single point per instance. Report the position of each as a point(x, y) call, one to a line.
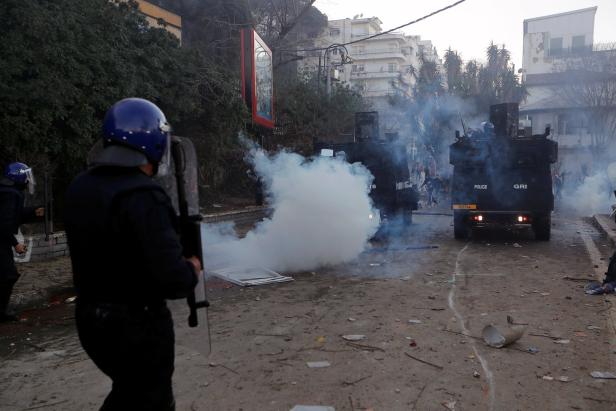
point(549, 42)
point(380, 67)
point(160, 17)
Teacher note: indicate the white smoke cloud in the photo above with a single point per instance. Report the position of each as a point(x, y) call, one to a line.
point(320, 216)
point(591, 196)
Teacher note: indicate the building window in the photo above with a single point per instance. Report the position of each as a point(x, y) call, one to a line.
point(556, 46)
point(392, 67)
point(359, 50)
point(333, 32)
point(356, 68)
point(572, 123)
point(578, 43)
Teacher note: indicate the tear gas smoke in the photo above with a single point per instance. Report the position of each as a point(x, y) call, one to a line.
point(594, 194)
point(321, 211)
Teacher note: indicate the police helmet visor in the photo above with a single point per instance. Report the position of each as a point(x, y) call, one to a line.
point(164, 166)
point(29, 181)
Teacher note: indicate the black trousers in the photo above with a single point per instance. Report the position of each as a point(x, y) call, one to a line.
point(134, 346)
point(8, 276)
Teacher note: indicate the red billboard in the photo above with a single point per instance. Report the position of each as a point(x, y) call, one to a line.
point(257, 78)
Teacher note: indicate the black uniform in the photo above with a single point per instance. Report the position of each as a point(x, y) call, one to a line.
point(12, 215)
point(127, 259)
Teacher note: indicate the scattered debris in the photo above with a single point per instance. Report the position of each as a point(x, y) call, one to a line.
point(356, 381)
point(499, 339)
point(354, 337)
point(318, 364)
point(476, 374)
point(430, 308)
point(545, 294)
point(562, 341)
point(547, 378)
point(414, 321)
point(511, 321)
point(70, 300)
point(603, 375)
point(450, 405)
point(596, 288)
point(213, 365)
point(397, 390)
point(424, 361)
point(374, 264)
point(551, 337)
point(351, 319)
point(533, 350)
point(564, 378)
point(312, 408)
point(593, 327)
point(249, 276)
point(364, 347)
point(320, 339)
point(516, 245)
point(580, 279)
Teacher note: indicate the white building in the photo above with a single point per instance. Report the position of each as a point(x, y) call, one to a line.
point(381, 67)
point(549, 42)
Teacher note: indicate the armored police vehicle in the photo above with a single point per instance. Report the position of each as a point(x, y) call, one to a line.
point(391, 191)
point(502, 177)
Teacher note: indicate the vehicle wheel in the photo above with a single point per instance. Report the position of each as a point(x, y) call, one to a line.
point(460, 228)
point(542, 226)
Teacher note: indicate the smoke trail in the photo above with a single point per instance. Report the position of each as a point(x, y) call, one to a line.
point(320, 217)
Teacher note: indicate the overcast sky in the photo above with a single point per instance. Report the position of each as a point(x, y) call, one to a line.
point(470, 26)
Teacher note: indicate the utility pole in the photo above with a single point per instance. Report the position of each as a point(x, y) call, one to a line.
point(328, 72)
point(328, 66)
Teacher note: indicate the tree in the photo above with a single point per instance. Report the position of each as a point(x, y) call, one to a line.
point(453, 69)
point(64, 63)
point(589, 89)
point(497, 80)
point(471, 88)
point(305, 113)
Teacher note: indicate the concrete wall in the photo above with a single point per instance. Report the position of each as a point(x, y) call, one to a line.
point(45, 249)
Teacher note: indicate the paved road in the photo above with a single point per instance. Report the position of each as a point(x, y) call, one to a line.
point(263, 337)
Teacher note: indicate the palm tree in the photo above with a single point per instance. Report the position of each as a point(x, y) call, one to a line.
point(453, 67)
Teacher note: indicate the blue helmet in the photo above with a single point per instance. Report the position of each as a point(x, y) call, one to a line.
point(20, 175)
point(135, 131)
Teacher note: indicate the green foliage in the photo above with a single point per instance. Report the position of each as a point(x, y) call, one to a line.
point(66, 62)
point(305, 112)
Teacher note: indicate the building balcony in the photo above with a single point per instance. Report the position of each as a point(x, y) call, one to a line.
point(396, 35)
point(360, 75)
point(379, 55)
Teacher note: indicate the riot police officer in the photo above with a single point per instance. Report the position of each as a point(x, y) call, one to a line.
point(127, 258)
point(17, 178)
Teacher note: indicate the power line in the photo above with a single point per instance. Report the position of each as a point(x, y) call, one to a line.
point(388, 31)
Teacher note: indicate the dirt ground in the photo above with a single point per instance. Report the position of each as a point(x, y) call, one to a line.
point(421, 304)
